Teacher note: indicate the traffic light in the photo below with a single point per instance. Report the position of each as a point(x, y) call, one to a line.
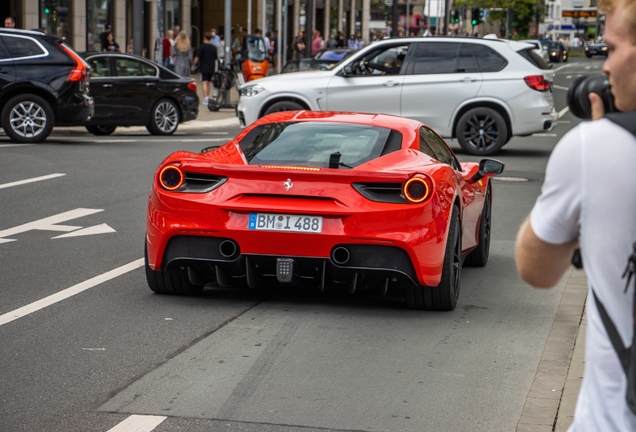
point(47, 11)
point(455, 15)
point(475, 16)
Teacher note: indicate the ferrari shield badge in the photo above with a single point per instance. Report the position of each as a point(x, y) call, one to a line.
point(288, 184)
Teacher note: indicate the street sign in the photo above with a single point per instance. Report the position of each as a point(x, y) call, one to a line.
point(578, 13)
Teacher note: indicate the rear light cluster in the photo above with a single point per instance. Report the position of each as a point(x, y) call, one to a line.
point(416, 190)
point(173, 179)
point(538, 83)
point(80, 71)
point(192, 85)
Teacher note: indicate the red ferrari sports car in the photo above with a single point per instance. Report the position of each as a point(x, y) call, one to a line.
point(357, 201)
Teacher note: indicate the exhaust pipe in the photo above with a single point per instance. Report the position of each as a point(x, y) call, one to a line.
point(340, 255)
point(228, 248)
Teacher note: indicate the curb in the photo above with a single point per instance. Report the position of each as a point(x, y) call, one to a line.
point(187, 126)
point(553, 393)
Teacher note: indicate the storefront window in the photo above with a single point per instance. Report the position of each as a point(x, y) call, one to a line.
point(98, 19)
point(54, 18)
point(171, 15)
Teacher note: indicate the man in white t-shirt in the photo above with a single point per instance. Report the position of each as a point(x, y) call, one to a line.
point(588, 200)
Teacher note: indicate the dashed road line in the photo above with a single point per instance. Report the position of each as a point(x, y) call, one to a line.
point(138, 423)
point(14, 145)
point(204, 140)
point(70, 292)
point(560, 87)
point(562, 67)
point(563, 112)
point(31, 180)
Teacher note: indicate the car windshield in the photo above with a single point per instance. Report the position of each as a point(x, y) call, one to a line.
point(553, 44)
point(321, 145)
point(331, 55)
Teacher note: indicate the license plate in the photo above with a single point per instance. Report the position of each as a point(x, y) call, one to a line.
point(283, 222)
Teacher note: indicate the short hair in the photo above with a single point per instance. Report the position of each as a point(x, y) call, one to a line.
point(11, 18)
point(629, 15)
point(207, 35)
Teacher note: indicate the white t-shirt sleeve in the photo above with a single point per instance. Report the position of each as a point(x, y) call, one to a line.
point(556, 214)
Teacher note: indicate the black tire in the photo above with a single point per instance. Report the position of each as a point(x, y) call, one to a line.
point(27, 118)
point(588, 55)
point(479, 256)
point(444, 296)
point(162, 282)
point(481, 131)
point(101, 130)
point(284, 106)
point(164, 118)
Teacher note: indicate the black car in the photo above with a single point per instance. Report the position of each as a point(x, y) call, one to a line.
point(43, 83)
point(596, 49)
point(557, 51)
point(132, 91)
point(324, 59)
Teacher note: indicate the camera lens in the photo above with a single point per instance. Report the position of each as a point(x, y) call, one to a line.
point(578, 92)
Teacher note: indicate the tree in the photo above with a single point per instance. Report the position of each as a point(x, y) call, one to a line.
point(522, 12)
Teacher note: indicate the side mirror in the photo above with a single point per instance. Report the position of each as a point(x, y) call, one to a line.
point(348, 70)
point(487, 168)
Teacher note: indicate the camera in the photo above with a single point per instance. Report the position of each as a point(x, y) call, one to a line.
point(580, 89)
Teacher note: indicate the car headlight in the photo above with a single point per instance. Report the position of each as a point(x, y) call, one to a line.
point(604, 48)
point(554, 53)
point(252, 90)
point(586, 48)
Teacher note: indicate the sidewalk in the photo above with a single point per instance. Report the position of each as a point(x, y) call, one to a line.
point(552, 398)
point(205, 120)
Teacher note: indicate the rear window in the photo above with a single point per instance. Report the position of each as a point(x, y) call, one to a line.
point(22, 47)
point(319, 145)
point(534, 58)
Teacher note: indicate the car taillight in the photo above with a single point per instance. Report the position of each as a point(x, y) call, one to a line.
point(192, 86)
point(171, 178)
point(418, 189)
point(537, 82)
point(79, 72)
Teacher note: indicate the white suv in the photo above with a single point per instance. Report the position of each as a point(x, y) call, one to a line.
point(480, 91)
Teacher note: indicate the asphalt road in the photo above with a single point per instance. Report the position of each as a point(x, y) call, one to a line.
point(242, 360)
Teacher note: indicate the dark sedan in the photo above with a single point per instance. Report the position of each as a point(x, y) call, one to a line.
point(557, 51)
point(324, 59)
point(131, 91)
point(596, 49)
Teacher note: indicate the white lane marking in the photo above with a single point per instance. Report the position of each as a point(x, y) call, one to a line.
point(564, 121)
point(204, 139)
point(97, 229)
point(31, 180)
point(138, 423)
point(117, 140)
point(215, 133)
point(568, 77)
point(69, 292)
point(537, 134)
point(560, 87)
point(49, 223)
point(563, 67)
point(511, 179)
point(563, 112)
point(14, 145)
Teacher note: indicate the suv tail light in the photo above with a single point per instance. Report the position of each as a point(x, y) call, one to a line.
point(192, 86)
point(79, 72)
point(537, 82)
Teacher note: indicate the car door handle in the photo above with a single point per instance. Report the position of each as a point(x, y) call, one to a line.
point(150, 84)
point(468, 79)
point(389, 84)
point(107, 85)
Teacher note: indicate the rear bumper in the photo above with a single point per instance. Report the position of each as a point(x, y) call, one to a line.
point(78, 110)
point(189, 107)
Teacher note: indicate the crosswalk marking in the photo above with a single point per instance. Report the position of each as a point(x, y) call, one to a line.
point(138, 423)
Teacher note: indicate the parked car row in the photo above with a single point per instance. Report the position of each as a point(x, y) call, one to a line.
point(45, 83)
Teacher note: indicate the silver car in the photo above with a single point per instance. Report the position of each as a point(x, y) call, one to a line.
point(480, 91)
point(540, 48)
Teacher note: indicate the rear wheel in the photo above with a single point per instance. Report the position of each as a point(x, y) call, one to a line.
point(444, 296)
point(27, 118)
point(479, 256)
point(169, 283)
point(284, 106)
point(101, 130)
point(164, 118)
point(481, 131)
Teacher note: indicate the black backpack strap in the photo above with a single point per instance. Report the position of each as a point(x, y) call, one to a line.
point(626, 120)
point(615, 338)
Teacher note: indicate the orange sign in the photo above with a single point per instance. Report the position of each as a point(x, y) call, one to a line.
point(577, 13)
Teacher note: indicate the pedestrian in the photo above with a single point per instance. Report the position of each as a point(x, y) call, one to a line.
point(130, 46)
point(182, 54)
point(299, 46)
point(273, 49)
point(205, 58)
point(237, 43)
point(9, 22)
point(175, 31)
point(588, 200)
point(103, 37)
point(332, 43)
point(316, 43)
point(352, 43)
point(341, 40)
point(166, 48)
point(111, 45)
point(215, 37)
point(220, 50)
